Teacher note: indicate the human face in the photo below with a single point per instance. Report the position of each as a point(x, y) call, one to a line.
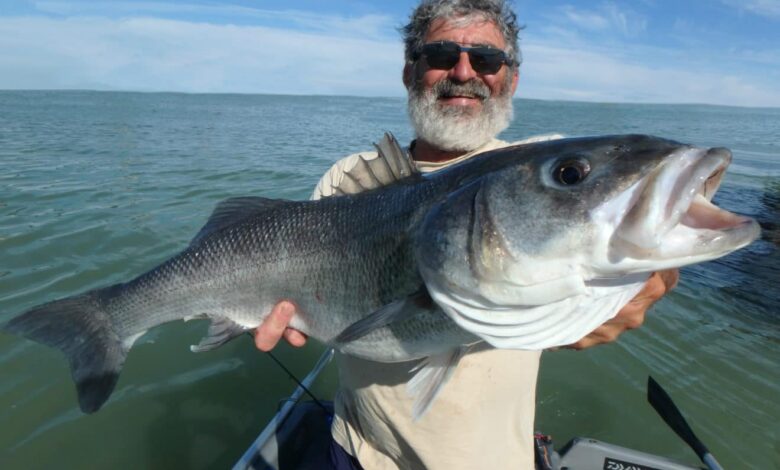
point(459, 109)
point(474, 33)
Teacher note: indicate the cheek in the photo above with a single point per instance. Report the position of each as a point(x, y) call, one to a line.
point(496, 83)
point(432, 76)
point(429, 77)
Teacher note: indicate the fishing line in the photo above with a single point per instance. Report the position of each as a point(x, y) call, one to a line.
point(292, 376)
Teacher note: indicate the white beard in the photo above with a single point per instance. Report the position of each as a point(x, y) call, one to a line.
point(454, 128)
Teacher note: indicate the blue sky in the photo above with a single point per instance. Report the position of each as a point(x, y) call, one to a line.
point(658, 51)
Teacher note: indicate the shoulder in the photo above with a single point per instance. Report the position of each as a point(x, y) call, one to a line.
point(332, 178)
point(493, 144)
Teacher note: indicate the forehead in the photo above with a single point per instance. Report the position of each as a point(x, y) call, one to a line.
point(475, 31)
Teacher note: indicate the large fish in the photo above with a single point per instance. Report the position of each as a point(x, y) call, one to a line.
point(526, 247)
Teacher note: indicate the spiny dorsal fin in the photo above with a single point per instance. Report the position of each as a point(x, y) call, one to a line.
point(234, 210)
point(391, 152)
point(391, 164)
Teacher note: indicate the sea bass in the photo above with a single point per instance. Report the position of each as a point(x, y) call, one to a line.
point(526, 247)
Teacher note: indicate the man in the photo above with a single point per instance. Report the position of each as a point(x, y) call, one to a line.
point(461, 72)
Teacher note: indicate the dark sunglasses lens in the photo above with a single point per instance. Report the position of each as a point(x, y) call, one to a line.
point(444, 55)
point(486, 60)
point(441, 55)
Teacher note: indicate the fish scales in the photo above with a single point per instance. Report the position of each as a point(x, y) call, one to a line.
point(318, 253)
point(526, 247)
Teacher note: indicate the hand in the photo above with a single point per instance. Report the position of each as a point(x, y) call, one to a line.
point(274, 327)
point(633, 314)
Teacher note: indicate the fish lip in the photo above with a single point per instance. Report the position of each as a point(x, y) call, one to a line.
point(672, 216)
point(712, 182)
point(666, 194)
point(694, 210)
point(704, 179)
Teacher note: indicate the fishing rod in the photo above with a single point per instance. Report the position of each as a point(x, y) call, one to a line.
point(300, 384)
point(663, 404)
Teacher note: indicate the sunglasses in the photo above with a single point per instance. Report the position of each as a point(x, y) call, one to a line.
point(445, 54)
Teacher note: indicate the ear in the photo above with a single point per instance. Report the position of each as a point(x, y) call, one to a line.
point(407, 75)
point(515, 78)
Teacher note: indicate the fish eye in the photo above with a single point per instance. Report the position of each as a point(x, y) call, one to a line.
point(571, 172)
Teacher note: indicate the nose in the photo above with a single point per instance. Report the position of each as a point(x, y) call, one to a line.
point(462, 71)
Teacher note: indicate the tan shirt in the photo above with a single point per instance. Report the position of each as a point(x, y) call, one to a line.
point(483, 417)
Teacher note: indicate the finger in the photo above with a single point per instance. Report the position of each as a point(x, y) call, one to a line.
point(271, 330)
point(601, 335)
point(294, 337)
point(657, 286)
point(670, 277)
point(654, 288)
point(632, 315)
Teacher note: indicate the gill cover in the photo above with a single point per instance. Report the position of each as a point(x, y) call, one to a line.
point(471, 278)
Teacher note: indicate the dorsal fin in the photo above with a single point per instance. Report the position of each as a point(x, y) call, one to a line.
point(234, 210)
point(399, 160)
point(391, 164)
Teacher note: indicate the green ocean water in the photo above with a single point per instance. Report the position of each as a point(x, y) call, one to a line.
point(98, 187)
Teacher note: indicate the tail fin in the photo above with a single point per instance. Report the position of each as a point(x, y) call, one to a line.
point(80, 328)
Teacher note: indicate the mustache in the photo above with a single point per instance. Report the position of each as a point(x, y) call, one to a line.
point(472, 88)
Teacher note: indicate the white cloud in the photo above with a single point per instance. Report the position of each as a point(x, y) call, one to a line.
point(103, 8)
point(587, 20)
point(554, 72)
point(770, 8)
point(626, 21)
point(366, 26)
point(154, 54)
point(607, 17)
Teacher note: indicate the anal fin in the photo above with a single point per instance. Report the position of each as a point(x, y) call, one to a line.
point(221, 331)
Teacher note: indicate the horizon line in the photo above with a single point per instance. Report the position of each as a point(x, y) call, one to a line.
point(303, 95)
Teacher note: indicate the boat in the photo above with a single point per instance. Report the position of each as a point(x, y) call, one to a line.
point(299, 435)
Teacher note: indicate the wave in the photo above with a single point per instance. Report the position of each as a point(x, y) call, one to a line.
point(747, 170)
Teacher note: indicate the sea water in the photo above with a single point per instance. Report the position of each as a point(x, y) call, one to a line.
point(97, 187)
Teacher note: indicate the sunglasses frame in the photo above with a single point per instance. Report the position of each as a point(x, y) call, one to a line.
point(471, 51)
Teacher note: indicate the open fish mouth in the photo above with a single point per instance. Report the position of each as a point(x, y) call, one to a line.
point(670, 215)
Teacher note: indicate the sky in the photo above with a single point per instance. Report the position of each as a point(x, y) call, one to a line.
point(645, 51)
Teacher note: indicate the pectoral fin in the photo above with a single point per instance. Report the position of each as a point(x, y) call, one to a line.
point(431, 375)
point(221, 331)
point(390, 313)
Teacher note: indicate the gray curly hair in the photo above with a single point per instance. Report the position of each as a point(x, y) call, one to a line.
point(496, 11)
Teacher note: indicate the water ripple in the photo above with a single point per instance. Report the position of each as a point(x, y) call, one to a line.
point(98, 187)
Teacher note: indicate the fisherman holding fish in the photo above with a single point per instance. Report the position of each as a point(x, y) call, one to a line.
point(525, 248)
point(461, 72)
